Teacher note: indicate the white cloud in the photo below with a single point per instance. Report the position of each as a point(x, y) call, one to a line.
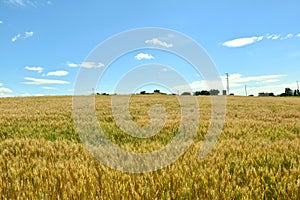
point(27, 3)
point(288, 36)
point(87, 64)
point(13, 39)
point(277, 88)
point(58, 73)
point(21, 3)
point(272, 80)
point(273, 37)
point(70, 64)
point(256, 84)
point(238, 78)
point(4, 91)
point(142, 56)
point(1, 22)
point(260, 38)
point(49, 88)
point(28, 34)
point(200, 85)
point(237, 82)
point(156, 41)
point(239, 42)
point(36, 69)
point(90, 65)
point(37, 81)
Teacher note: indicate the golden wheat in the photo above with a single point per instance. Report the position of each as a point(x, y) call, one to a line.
point(257, 155)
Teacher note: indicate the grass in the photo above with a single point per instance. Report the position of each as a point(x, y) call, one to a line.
point(257, 155)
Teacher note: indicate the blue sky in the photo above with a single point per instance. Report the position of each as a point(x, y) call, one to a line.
point(43, 43)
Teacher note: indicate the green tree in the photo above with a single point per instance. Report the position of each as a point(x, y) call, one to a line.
point(197, 93)
point(288, 92)
point(204, 92)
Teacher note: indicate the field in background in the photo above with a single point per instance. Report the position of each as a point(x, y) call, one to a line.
point(257, 155)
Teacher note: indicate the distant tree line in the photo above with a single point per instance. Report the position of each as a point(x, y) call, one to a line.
point(287, 92)
point(290, 92)
point(197, 93)
point(205, 92)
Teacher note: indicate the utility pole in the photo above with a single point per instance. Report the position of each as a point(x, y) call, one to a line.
point(227, 78)
point(246, 89)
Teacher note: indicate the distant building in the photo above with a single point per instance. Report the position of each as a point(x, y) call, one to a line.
point(214, 92)
point(265, 94)
point(224, 92)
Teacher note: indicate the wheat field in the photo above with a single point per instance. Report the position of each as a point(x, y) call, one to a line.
point(257, 155)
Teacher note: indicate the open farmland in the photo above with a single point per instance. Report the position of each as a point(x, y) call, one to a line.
point(257, 155)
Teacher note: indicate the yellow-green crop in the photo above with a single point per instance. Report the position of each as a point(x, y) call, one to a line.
point(257, 155)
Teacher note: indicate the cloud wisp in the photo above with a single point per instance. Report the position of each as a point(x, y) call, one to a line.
point(27, 3)
point(144, 56)
point(16, 37)
point(49, 88)
point(244, 41)
point(90, 65)
point(20, 3)
point(239, 42)
point(28, 34)
point(36, 69)
point(240, 79)
point(156, 41)
point(39, 81)
point(237, 84)
point(70, 64)
point(58, 73)
point(4, 92)
point(86, 64)
point(25, 35)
